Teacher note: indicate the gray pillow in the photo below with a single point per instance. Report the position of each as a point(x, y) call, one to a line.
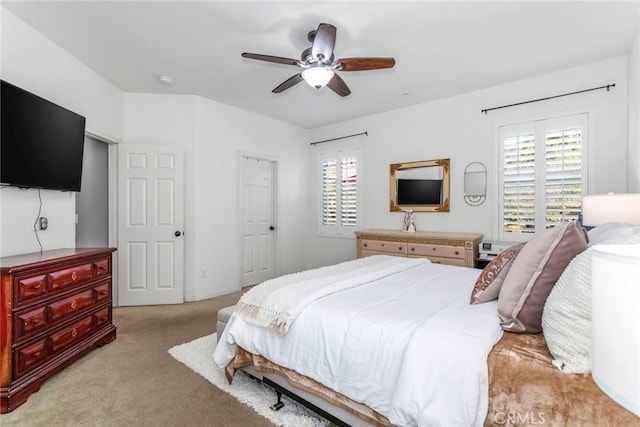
point(533, 274)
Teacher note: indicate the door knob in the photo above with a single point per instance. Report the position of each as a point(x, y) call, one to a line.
point(271, 227)
point(178, 234)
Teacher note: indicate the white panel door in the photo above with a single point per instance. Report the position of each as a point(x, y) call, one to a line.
point(150, 225)
point(257, 216)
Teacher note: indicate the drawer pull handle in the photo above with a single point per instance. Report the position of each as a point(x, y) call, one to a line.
point(413, 249)
point(36, 354)
point(382, 245)
point(433, 249)
point(399, 248)
point(37, 287)
point(457, 252)
point(74, 333)
point(74, 276)
point(33, 321)
point(365, 245)
point(74, 304)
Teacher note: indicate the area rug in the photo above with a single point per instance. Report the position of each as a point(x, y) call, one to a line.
point(198, 355)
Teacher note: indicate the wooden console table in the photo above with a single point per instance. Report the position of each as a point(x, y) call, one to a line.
point(55, 307)
point(459, 249)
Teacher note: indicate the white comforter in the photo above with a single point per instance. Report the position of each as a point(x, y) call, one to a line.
point(409, 346)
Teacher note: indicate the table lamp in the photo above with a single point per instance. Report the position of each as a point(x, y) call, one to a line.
point(615, 302)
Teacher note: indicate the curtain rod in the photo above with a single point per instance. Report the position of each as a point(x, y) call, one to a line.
point(607, 87)
point(340, 137)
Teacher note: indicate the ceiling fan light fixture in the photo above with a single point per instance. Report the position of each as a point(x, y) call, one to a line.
point(317, 77)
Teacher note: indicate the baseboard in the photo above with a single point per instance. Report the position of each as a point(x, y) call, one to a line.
point(217, 293)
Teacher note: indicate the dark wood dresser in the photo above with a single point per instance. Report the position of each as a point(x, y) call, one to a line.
point(55, 307)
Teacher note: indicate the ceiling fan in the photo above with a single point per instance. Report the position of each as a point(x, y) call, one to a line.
point(318, 64)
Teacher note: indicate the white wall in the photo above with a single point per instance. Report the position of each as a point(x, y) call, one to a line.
point(213, 135)
point(223, 133)
point(455, 128)
point(634, 117)
point(33, 62)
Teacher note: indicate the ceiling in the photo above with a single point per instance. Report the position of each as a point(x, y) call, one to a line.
point(441, 48)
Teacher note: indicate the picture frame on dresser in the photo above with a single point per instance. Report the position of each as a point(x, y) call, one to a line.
point(55, 307)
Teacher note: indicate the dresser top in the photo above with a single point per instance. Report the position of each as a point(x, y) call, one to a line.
point(418, 235)
point(13, 263)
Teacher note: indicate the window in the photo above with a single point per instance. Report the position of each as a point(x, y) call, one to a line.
point(339, 192)
point(543, 175)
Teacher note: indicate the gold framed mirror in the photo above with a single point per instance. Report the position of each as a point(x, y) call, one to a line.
point(420, 186)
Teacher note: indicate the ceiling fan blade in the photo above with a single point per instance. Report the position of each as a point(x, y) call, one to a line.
point(269, 58)
point(323, 43)
point(291, 81)
point(338, 85)
point(364, 64)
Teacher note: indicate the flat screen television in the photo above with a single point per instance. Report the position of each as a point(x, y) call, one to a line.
point(419, 192)
point(41, 143)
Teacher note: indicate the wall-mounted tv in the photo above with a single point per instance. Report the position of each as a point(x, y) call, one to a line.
point(419, 192)
point(41, 143)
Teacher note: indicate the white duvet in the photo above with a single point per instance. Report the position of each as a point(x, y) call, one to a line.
point(409, 345)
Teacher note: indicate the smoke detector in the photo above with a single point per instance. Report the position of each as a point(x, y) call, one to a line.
point(165, 80)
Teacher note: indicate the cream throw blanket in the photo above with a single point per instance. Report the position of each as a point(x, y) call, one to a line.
point(275, 303)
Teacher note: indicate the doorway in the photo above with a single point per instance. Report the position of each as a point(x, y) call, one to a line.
point(92, 202)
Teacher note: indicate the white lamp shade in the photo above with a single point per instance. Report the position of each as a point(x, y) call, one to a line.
point(615, 306)
point(317, 77)
point(600, 209)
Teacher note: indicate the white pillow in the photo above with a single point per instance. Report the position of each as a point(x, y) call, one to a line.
point(614, 230)
point(566, 318)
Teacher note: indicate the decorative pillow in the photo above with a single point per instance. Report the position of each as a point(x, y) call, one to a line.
point(533, 274)
point(612, 231)
point(487, 287)
point(566, 319)
point(595, 232)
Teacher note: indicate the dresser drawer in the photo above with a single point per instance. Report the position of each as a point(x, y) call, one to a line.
point(30, 287)
point(29, 322)
point(70, 276)
point(102, 267)
point(70, 305)
point(67, 336)
point(438, 251)
point(102, 317)
point(102, 292)
point(29, 356)
point(382, 246)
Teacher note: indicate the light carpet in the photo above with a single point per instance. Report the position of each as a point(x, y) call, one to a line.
point(198, 356)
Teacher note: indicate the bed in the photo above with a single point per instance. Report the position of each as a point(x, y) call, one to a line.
point(407, 348)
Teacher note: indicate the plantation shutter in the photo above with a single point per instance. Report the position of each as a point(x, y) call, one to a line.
point(543, 175)
point(519, 195)
point(329, 192)
point(339, 192)
point(563, 175)
point(348, 191)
